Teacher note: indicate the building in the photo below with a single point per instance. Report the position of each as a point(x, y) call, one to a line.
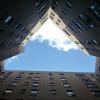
point(17, 19)
point(97, 65)
point(1, 66)
point(21, 19)
point(49, 86)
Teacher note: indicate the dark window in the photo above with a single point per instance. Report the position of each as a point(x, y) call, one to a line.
point(77, 42)
point(64, 12)
point(19, 26)
point(66, 32)
point(52, 84)
point(99, 68)
point(1, 30)
point(96, 93)
point(38, 73)
point(23, 91)
point(70, 93)
point(52, 17)
point(51, 78)
point(87, 20)
point(73, 28)
point(59, 20)
point(18, 78)
point(50, 74)
point(57, 23)
point(10, 34)
point(31, 73)
point(53, 92)
point(52, 14)
point(61, 74)
point(79, 25)
point(68, 3)
point(40, 2)
point(55, 3)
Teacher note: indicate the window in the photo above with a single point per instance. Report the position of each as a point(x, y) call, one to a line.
point(33, 92)
point(52, 14)
point(53, 92)
point(95, 9)
point(8, 19)
point(66, 85)
point(51, 78)
point(29, 78)
point(8, 91)
point(2, 73)
point(10, 34)
point(79, 25)
point(77, 42)
point(66, 32)
point(50, 74)
point(91, 85)
point(35, 84)
point(55, 3)
point(1, 30)
point(73, 28)
point(14, 83)
point(23, 91)
point(96, 93)
point(64, 12)
point(87, 20)
point(18, 78)
point(52, 17)
point(59, 20)
point(26, 84)
point(61, 74)
point(40, 2)
point(70, 93)
point(63, 79)
point(93, 48)
point(99, 68)
point(95, 42)
point(21, 73)
point(38, 74)
point(18, 26)
point(57, 23)
point(2, 78)
point(36, 78)
point(68, 3)
point(43, 7)
point(52, 84)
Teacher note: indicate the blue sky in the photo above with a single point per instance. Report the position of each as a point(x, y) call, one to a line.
point(51, 50)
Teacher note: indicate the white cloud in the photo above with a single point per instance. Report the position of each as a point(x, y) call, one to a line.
point(14, 57)
point(9, 60)
point(54, 36)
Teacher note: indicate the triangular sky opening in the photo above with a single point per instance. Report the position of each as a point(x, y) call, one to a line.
point(50, 49)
